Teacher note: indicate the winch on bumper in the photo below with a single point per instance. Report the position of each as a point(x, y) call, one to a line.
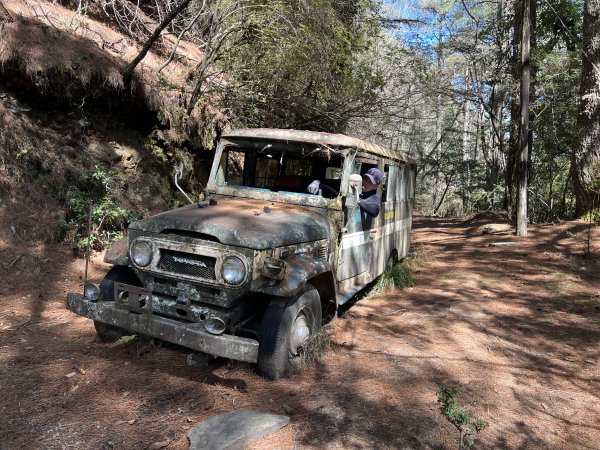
point(137, 317)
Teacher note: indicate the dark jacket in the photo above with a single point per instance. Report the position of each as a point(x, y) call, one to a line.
point(369, 203)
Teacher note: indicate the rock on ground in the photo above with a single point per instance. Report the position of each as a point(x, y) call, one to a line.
point(234, 430)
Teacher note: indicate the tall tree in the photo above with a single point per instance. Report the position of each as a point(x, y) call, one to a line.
point(585, 159)
point(524, 116)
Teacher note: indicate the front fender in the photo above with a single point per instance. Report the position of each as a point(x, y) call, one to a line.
point(118, 253)
point(299, 271)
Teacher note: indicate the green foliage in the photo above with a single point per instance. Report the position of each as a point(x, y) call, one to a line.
point(302, 66)
point(143, 343)
point(125, 340)
point(397, 277)
point(157, 151)
point(96, 192)
point(457, 415)
point(592, 216)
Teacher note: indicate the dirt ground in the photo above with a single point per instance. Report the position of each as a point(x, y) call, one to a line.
point(518, 327)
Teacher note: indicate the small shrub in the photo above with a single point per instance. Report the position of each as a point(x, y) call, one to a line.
point(124, 340)
point(96, 190)
point(396, 277)
point(318, 344)
point(144, 343)
point(465, 422)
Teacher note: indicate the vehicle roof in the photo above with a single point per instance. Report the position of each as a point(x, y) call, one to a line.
point(316, 137)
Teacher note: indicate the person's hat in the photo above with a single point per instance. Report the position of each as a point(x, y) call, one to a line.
point(374, 175)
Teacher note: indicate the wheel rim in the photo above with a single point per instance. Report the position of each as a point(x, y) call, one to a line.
point(299, 334)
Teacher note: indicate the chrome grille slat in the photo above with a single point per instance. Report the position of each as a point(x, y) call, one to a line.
point(189, 264)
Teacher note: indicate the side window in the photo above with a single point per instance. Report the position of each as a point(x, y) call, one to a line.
point(267, 170)
point(390, 182)
point(411, 183)
point(333, 173)
point(302, 167)
point(401, 184)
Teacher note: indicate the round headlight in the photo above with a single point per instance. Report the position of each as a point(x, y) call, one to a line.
point(141, 253)
point(233, 270)
point(91, 291)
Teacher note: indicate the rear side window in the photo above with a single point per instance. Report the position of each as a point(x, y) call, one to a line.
point(390, 183)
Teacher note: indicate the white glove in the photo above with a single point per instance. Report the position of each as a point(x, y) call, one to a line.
point(356, 184)
point(313, 188)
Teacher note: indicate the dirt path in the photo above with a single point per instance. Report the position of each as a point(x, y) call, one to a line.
point(518, 327)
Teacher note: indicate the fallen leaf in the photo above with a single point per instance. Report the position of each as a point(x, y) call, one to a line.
point(131, 422)
point(71, 374)
point(158, 445)
point(124, 394)
point(81, 371)
point(74, 388)
point(544, 406)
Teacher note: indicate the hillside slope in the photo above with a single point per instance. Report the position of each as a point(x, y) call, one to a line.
point(71, 135)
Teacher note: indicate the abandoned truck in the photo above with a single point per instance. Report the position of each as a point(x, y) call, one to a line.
point(251, 272)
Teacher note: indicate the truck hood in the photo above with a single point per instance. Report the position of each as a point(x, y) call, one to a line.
point(247, 223)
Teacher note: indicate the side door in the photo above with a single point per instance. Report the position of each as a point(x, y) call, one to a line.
point(356, 246)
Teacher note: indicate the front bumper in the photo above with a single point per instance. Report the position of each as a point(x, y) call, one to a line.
point(185, 334)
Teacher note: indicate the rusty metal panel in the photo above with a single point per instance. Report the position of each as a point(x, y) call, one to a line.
point(299, 271)
point(244, 223)
point(318, 138)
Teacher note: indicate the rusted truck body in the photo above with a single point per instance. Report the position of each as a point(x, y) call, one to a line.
point(253, 271)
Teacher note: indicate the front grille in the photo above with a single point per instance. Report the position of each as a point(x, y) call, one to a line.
point(167, 283)
point(197, 266)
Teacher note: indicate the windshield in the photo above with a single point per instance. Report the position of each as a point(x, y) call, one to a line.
point(282, 169)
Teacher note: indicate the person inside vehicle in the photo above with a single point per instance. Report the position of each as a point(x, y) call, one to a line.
point(368, 200)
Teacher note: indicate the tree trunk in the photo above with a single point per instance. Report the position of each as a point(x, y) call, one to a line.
point(439, 129)
point(466, 142)
point(524, 129)
point(128, 72)
point(513, 142)
point(585, 157)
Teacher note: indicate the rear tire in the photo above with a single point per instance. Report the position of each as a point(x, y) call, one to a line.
point(284, 331)
point(392, 260)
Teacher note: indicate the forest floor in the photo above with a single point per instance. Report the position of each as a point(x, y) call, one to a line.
point(517, 327)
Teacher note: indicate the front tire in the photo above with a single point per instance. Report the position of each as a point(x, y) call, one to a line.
point(108, 333)
point(118, 274)
point(286, 327)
